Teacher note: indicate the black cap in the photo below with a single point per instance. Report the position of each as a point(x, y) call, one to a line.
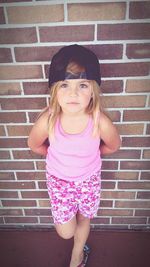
point(74, 53)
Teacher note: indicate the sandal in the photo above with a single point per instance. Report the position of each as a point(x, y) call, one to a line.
point(86, 252)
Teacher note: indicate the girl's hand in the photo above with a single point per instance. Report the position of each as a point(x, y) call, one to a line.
point(110, 139)
point(37, 140)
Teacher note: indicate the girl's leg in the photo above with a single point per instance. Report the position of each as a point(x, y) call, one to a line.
point(68, 229)
point(79, 228)
point(80, 238)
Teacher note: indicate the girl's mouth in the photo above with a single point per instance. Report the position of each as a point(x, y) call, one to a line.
point(73, 103)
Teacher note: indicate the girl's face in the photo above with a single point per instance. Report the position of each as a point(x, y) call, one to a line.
point(74, 95)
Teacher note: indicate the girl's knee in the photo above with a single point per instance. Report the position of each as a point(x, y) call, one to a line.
point(65, 234)
point(67, 230)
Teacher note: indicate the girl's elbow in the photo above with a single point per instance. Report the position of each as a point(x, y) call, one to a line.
point(118, 144)
point(30, 144)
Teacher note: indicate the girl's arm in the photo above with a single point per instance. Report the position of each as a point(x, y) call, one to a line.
point(110, 139)
point(37, 140)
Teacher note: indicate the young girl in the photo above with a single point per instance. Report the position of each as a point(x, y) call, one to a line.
point(78, 133)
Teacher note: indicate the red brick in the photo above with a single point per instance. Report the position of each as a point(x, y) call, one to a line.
point(23, 220)
point(112, 86)
point(138, 51)
point(125, 154)
point(139, 10)
point(112, 165)
point(130, 129)
point(100, 221)
point(35, 14)
point(18, 35)
point(125, 69)
point(16, 165)
point(40, 165)
point(145, 175)
point(140, 115)
point(107, 51)
point(19, 130)
point(46, 219)
point(13, 142)
point(117, 195)
point(96, 11)
point(140, 86)
point(134, 185)
point(142, 212)
point(143, 195)
point(38, 212)
point(2, 16)
point(132, 204)
point(5, 55)
point(4, 154)
point(124, 31)
point(135, 141)
point(115, 212)
point(33, 116)
point(134, 165)
point(10, 89)
point(146, 154)
point(67, 33)
point(44, 203)
point(2, 131)
point(114, 115)
point(42, 185)
point(31, 175)
point(109, 175)
point(19, 203)
point(10, 212)
point(148, 129)
point(108, 185)
point(20, 72)
point(34, 194)
point(23, 103)
point(13, 117)
point(7, 176)
point(136, 220)
point(12, 1)
point(25, 154)
point(35, 88)
point(8, 194)
point(17, 185)
point(31, 54)
point(124, 101)
point(106, 203)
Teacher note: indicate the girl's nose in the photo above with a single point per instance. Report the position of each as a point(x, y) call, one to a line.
point(73, 90)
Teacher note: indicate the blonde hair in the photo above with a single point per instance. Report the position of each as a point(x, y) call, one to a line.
point(94, 107)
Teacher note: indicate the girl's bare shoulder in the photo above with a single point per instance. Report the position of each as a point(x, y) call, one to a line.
point(106, 125)
point(104, 118)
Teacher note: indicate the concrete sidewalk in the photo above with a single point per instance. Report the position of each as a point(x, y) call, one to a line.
point(44, 248)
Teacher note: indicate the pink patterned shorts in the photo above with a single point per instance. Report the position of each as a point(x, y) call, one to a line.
point(67, 198)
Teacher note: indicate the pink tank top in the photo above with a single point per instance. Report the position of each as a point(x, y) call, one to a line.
point(73, 157)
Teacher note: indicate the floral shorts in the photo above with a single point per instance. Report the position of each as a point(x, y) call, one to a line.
point(67, 197)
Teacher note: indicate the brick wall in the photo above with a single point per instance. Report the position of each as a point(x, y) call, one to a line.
point(30, 33)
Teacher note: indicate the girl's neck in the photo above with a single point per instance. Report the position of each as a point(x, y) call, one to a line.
point(74, 116)
point(74, 124)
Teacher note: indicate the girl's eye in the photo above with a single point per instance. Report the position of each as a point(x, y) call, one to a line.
point(64, 85)
point(83, 86)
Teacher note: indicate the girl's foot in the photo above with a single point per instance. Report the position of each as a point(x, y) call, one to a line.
point(86, 252)
point(76, 261)
point(82, 260)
